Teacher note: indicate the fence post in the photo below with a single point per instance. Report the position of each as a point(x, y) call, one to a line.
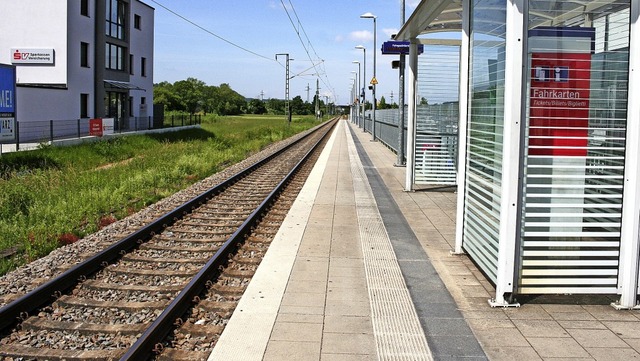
point(51, 130)
point(78, 128)
point(17, 135)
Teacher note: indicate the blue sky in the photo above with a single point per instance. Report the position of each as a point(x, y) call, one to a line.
point(262, 27)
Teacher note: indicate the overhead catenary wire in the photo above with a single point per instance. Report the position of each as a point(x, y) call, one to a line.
point(315, 63)
point(212, 33)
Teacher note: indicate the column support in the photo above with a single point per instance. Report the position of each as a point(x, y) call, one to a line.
point(463, 99)
point(629, 234)
point(511, 156)
point(411, 121)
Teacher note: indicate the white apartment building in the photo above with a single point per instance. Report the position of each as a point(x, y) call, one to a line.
point(79, 59)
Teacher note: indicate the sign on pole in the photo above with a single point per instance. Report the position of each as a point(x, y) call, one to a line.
point(7, 102)
point(398, 47)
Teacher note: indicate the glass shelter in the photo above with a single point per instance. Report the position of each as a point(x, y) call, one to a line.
point(548, 151)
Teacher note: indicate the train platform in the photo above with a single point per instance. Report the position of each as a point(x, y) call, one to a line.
point(362, 270)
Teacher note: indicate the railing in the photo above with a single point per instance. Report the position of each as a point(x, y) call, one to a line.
point(30, 134)
point(436, 140)
point(387, 127)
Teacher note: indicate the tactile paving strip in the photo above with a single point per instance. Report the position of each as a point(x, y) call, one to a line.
point(396, 327)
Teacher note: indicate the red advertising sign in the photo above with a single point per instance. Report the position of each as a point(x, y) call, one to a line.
point(559, 99)
point(95, 127)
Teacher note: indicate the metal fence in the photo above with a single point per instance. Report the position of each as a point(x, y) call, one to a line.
point(30, 134)
point(436, 139)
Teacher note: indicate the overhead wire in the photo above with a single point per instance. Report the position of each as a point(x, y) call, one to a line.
point(212, 33)
point(319, 72)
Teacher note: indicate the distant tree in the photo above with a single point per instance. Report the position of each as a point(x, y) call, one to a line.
point(424, 101)
point(382, 104)
point(275, 106)
point(191, 94)
point(298, 106)
point(256, 106)
point(231, 103)
point(163, 93)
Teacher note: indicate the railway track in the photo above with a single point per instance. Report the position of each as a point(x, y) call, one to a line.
point(167, 290)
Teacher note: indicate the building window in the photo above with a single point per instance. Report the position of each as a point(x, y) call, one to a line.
point(84, 54)
point(136, 21)
point(84, 7)
point(143, 100)
point(114, 57)
point(84, 105)
point(131, 106)
point(114, 104)
point(143, 66)
point(116, 14)
point(131, 64)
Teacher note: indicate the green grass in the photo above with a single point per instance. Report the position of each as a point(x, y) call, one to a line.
point(56, 195)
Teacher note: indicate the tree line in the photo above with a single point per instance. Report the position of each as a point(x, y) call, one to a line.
point(195, 96)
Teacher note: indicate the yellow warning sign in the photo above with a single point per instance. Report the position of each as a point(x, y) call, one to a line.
point(374, 81)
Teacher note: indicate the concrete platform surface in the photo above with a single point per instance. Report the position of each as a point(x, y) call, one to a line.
point(362, 270)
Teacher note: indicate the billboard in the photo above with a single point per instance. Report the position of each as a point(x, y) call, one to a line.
point(560, 90)
point(7, 102)
point(101, 126)
point(32, 56)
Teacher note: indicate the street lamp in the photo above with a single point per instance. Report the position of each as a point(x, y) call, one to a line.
point(374, 81)
point(357, 102)
point(354, 91)
point(361, 92)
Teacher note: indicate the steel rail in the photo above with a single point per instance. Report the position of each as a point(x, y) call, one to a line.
point(165, 322)
point(17, 310)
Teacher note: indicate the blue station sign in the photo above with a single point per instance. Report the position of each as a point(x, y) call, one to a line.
point(7, 102)
point(398, 47)
point(7, 89)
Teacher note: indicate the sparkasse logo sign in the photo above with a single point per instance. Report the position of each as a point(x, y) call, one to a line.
point(32, 56)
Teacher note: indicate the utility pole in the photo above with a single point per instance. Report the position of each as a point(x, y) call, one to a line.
point(287, 106)
point(262, 95)
point(308, 88)
point(318, 98)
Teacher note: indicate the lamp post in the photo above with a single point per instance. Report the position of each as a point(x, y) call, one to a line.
point(354, 91)
point(374, 80)
point(401, 151)
point(359, 80)
point(361, 92)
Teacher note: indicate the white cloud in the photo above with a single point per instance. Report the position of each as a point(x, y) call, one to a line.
point(361, 35)
point(339, 39)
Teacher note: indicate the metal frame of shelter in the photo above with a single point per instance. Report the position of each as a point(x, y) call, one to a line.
point(527, 256)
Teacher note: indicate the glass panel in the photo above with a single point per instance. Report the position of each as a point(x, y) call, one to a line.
point(114, 57)
point(438, 115)
point(575, 144)
point(485, 133)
